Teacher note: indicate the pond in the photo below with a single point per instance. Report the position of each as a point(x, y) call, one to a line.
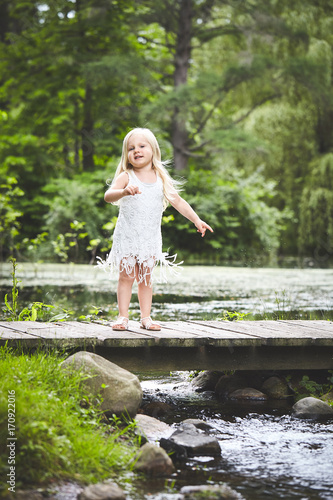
point(197, 292)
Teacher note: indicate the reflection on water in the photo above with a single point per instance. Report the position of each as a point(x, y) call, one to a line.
point(198, 292)
point(266, 454)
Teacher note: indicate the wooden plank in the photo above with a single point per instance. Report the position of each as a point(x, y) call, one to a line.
point(98, 330)
point(269, 329)
point(212, 336)
point(21, 326)
point(318, 325)
point(10, 335)
point(190, 341)
point(277, 335)
point(248, 328)
point(203, 329)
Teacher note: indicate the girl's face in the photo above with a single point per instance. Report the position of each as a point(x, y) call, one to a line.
point(140, 153)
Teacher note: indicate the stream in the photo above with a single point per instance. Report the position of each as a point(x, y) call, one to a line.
point(266, 454)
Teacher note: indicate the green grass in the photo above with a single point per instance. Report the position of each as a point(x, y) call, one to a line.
point(60, 434)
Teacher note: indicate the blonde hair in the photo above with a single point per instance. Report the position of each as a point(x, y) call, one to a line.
point(170, 186)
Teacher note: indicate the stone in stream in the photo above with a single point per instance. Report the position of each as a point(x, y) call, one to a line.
point(26, 495)
point(199, 424)
point(275, 388)
point(312, 408)
point(248, 394)
point(206, 381)
point(102, 491)
point(156, 409)
point(153, 461)
point(188, 441)
point(152, 429)
point(210, 492)
point(120, 390)
point(230, 383)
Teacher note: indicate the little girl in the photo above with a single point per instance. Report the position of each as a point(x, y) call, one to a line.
point(143, 188)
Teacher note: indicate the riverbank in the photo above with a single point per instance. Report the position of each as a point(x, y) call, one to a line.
point(58, 433)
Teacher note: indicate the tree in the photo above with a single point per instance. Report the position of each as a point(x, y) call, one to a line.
point(71, 60)
point(316, 212)
point(200, 93)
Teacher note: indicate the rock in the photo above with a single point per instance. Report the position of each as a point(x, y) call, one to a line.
point(312, 408)
point(151, 428)
point(153, 461)
point(248, 393)
point(188, 441)
point(102, 491)
point(275, 388)
point(120, 389)
point(156, 409)
point(27, 495)
point(206, 381)
point(230, 383)
point(207, 492)
point(199, 424)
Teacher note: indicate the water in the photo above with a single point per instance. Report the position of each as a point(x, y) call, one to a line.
point(198, 292)
point(266, 454)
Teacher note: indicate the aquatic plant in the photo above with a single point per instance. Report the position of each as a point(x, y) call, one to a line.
point(37, 310)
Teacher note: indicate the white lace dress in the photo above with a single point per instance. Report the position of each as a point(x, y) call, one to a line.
point(137, 238)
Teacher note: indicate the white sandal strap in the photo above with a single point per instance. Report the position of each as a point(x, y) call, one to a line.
point(121, 321)
point(148, 322)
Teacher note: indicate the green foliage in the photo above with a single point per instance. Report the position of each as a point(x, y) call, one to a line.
point(316, 214)
point(61, 434)
point(37, 310)
point(232, 316)
point(312, 388)
point(77, 221)
point(9, 215)
point(248, 85)
point(93, 313)
point(235, 206)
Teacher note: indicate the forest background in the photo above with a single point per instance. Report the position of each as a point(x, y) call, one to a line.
point(238, 92)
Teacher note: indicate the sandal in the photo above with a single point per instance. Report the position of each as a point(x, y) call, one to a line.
point(147, 324)
point(121, 324)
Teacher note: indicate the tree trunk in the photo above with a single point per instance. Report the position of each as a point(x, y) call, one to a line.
point(181, 62)
point(87, 144)
point(4, 21)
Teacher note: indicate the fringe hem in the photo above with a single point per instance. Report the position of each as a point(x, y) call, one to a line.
point(163, 266)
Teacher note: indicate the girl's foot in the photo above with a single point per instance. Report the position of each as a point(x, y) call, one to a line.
point(120, 324)
point(147, 324)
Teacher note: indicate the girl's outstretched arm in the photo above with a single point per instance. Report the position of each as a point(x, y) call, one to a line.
point(187, 211)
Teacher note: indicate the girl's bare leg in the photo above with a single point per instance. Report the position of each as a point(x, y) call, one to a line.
point(145, 294)
point(124, 292)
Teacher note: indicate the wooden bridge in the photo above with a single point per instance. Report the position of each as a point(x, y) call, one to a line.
point(189, 345)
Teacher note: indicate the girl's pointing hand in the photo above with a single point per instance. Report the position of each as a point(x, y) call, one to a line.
point(202, 226)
